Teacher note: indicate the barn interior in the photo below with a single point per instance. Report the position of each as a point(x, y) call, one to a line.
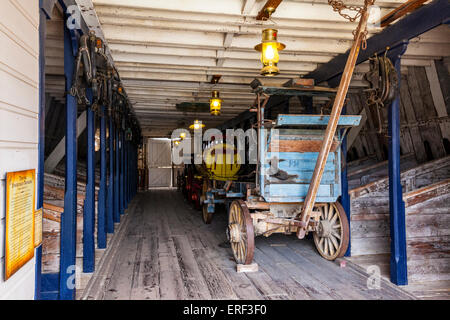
point(132, 221)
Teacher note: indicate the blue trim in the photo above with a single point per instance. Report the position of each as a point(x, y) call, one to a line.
point(122, 174)
point(68, 219)
point(74, 34)
point(116, 177)
point(291, 119)
point(50, 286)
point(125, 183)
point(121, 206)
point(345, 197)
point(398, 263)
point(110, 201)
point(101, 216)
point(41, 145)
point(89, 202)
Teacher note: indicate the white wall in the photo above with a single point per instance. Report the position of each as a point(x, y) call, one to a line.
point(19, 105)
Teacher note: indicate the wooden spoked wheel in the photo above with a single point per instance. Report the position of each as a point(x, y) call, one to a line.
point(241, 233)
point(331, 237)
point(195, 198)
point(207, 216)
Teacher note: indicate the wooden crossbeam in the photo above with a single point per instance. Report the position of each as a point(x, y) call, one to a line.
point(399, 12)
point(263, 14)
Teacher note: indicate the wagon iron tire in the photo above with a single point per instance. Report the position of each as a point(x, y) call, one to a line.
point(207, 216)
point(241, 233)
point(332, 236)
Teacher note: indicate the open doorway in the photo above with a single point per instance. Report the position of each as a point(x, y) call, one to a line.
point(160, 163)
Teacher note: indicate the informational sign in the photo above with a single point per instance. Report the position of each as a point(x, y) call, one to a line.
point(20, 199)
point(37, 228)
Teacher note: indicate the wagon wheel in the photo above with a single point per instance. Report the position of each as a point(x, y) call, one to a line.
point(240, 229)
point(195, 197)
point(207, 216)
point(331, 237)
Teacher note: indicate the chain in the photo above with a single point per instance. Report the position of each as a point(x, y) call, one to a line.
point(405, 127)
point(339, 7)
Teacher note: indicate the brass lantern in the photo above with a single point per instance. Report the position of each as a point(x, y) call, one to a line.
point(215, 103)
point(269, 48)
point(197, 125)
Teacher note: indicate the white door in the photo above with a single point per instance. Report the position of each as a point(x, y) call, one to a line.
point(160, 163)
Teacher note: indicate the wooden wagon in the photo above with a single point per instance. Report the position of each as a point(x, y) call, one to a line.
point(272, 202)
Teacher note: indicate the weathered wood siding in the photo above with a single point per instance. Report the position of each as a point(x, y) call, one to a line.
point(19, 107)
point(53, 209)
point(426, 195)
point(424, 122)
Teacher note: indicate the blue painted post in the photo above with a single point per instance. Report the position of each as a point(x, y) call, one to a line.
point(41, 146)
point(398, 263)
point(89, 202)
point(116, 177)
point(345, 197)
point(125, 178)
point(69, 217)
point(136, 172)
point(122, 167)
point(101, 204)
point(110, 201)
point(133, 172)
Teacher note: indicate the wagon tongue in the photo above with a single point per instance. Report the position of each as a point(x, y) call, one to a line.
point(333, 122)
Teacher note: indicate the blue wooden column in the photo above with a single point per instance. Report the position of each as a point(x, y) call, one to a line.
point(345, 197)
point(101, 202)
point(43, 16)
point(116, 176)
point(126, 174)
point(398, 263)
point(122, 168)
point(110, 201)
point(133, 169)
point(89, 202)
point(125, 167)
point(69, 217)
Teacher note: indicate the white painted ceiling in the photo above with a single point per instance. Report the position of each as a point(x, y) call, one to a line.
point(166, 51)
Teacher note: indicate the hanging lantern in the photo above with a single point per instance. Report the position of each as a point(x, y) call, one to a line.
point(182, 135)
point(269, 48)
point(215, 103)
point(197, 125)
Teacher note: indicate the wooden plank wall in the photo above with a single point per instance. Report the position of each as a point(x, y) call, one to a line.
point(427, 219)
point(420, 124)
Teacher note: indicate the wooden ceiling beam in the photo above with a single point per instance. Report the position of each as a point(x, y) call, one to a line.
point(264, 14)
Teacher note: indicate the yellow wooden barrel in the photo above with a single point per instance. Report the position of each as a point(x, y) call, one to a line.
point(222, 162)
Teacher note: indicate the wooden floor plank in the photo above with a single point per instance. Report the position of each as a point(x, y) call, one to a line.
point(167, 252)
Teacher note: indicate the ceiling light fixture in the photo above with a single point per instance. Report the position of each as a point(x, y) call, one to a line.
point(197, 125)
point(215, 103)
point(269, 48)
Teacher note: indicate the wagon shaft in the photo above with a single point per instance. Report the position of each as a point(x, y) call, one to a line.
point(332, 124)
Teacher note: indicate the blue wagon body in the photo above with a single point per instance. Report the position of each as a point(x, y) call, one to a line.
point(272, 201)
point(290, 154)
